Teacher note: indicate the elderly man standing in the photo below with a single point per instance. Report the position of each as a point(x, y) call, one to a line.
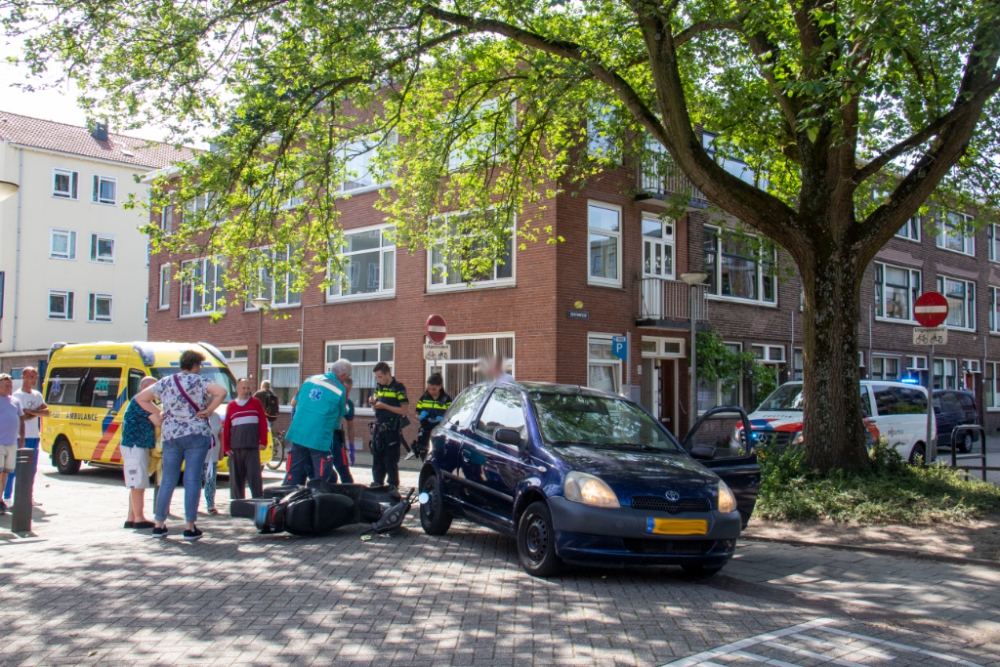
point(34, 407)
point(244, 436)
point(320, 405)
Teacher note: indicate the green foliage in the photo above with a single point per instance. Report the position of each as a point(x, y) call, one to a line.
point(718, 362)
point(886, 491)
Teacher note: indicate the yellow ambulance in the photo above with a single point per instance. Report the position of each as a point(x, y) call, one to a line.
point(88, 385)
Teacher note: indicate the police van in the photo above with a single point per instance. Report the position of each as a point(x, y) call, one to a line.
point(88, 386)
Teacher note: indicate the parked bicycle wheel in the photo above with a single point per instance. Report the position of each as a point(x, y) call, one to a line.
point(277, 450)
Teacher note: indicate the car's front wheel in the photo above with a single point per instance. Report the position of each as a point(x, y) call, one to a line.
point(434, 518)
point(536, 541)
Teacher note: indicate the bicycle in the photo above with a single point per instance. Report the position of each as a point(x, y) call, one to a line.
point(277, 449)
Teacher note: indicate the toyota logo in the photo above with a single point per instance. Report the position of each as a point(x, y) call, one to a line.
point(672, 496)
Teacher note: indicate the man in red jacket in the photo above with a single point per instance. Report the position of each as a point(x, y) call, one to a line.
point(244, 437)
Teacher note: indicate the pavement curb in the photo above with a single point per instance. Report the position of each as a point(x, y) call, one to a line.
point(882, 551)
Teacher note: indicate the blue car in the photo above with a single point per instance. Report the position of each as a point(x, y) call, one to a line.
point(583, 476)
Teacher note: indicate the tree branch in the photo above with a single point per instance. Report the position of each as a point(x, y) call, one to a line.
point(705, 26)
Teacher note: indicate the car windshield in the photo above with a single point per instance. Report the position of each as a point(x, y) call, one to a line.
point(785, 397)
point(597, 421)
point(220, 376)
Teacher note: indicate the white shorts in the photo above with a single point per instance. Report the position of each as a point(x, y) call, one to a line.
point(135, 461)
point(8, 457)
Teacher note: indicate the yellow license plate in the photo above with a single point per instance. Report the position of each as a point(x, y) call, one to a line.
point(676, 526)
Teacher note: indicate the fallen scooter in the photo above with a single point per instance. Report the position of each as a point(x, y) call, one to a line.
point(320, 508)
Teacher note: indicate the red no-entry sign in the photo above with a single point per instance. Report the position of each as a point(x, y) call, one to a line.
point(436, 329)
point(931, 309)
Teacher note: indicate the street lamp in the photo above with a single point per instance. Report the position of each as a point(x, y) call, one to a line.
point(7, 189)
point(260, 303)
point(693, 280)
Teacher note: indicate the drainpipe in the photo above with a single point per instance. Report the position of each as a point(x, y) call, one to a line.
point(17, 246)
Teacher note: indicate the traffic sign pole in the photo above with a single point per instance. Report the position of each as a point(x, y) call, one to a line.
point(628, 361)
point(931, 310)
point(930, 451)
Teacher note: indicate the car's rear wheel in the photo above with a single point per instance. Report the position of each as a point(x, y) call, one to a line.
point(701, 570)
point(965, 443)
point(918, 452)
point(434, 518)
point(66, 463)
point(536, 541)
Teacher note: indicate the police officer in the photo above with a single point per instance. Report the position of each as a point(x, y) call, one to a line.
point(390, 404)
point(430, 410)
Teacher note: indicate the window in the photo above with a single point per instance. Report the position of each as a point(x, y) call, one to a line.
point(480, 135)
point(65, 183)
point(63, 386)
point(280, 365)
point(464, 407)
point(734, 269)
point(61, 305)
point(737, 168)
point(604, 233)
point(601, 140)
point(278, 290)
point(168, 216)
point(993, 234)
point(164, 302)
point(363, 355)
point(900, 401)
point(657, 247)
point(945, 373)
point(99, 307)
point(994, 309)
point(711, 394)
point(961, 296)
point(369, 264)
point(102, 248)
point(768, 354)
point(910, 230)
point(503, 410)
point(992, 397)
point(916, 371)
point(896, 289)
point(359, 157)
point(884, 368)
point(105, 189)
point(145, 311)
point(446, 270)
point(955, 233)
point(604, 370)
point(798, 364)
point(236, 359)
point(202, 286)
point(467, 352)
point(62, 244)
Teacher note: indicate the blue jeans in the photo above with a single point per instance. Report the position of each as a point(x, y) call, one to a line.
point(189, 450)
point(211, 474)
point(305, 463)
point(30, 443)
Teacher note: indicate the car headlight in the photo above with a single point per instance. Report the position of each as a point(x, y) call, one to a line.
point(797, 438)
point(589, 490)
point(727, 501)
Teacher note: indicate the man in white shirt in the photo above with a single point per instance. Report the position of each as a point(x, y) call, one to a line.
point(34, 407)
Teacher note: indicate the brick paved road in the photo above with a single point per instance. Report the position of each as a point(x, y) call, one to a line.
point(87, 592)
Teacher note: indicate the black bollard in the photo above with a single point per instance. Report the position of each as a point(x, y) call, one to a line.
point(24, 481)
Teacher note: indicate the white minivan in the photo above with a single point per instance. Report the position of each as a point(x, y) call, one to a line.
point(893, 409)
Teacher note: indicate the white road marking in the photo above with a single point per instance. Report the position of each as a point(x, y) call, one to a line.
point(780, 640)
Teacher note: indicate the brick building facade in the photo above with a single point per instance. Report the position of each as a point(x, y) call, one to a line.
point(553, 308)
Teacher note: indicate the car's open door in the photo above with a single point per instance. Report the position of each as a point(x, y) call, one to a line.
point(719, 441)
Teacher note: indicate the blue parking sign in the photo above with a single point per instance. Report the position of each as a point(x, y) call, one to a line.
point(619, 347)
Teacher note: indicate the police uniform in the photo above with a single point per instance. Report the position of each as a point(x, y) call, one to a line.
point(388, 433)
point(430, 411)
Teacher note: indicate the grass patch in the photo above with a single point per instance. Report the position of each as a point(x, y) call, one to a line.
point(889, 491)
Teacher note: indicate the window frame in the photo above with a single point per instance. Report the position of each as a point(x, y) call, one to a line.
point(219, 268)
point(73, 194)
point(717, 278)
point(969, 301)
point(92, 298)
point(164, 289)
point(99, 180)
point(360, 406)
point(249, 307)
point(991, 395)
point(968, 237)
point(441, 366)
point(662, 241)
point(912, 225)
point(994, 309)
point(70, 302)
point(881, 361)
point(913, 291)
point(71, 243)
point(341, 188)
point(945, 362)
point(767, 356)
point(382, 250)
point(736, 347)
point(616, 235)
point(267, 368)
point(95, 245)
point(605, 362)
point(482, 284)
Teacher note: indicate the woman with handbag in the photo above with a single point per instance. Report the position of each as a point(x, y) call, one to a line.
point(187, 401)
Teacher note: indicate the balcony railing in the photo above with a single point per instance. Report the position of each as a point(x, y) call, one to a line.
point(670, 300)
point(660, 177)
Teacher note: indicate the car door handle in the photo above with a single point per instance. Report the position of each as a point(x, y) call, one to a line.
point(466, 455)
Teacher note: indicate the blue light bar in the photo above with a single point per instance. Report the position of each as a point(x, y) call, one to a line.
point(910, 381)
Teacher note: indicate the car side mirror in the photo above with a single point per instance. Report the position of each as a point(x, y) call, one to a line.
point(703, 452)
point(508, 436)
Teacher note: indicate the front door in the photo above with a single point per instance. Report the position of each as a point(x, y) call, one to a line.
point(669, 396)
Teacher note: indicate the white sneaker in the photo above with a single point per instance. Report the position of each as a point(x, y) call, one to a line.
point(409, 456)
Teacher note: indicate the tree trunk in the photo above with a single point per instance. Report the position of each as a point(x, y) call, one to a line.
point(833, 431)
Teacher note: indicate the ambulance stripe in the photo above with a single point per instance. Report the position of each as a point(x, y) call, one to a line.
point(109, 427)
